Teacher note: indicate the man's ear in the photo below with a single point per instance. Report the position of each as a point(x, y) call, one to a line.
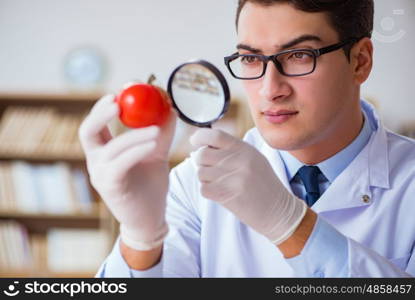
point(361, 60)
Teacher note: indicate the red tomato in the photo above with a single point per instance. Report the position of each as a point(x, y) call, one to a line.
point(142, 105)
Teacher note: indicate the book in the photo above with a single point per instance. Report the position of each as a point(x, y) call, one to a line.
point(8, 189)
point(76, 250)
point(4, 250)
point(41, 119)
point(15, 247)
point(53, 182)
point(4, 201)
point(25, 190)
point(10, 128)
point(82, 192)
point(42, 131)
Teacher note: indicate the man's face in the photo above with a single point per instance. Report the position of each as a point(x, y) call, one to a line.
point(294, 113)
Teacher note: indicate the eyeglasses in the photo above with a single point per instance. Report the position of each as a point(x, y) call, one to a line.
point(294, 62)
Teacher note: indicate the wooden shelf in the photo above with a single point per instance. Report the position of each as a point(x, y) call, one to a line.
point(50, 97)
point(76, 157)
point(64, 102)
point(28, 273)
point(62, 112)
point(42, 222)
point(94, 215)
point(38, 225)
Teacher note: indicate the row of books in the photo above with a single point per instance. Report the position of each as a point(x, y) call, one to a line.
point(76, 250)
point(61, 250)
point(54, 188)
point(46, 133)
point(15, 252)
point(26, 130)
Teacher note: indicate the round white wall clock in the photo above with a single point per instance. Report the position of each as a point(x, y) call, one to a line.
point(84, 68)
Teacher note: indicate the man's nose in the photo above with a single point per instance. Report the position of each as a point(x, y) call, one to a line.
point(274, 84)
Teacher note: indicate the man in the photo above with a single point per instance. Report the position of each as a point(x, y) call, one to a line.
point(317, 189)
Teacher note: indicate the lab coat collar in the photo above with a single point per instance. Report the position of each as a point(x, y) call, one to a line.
point(353, 187)
point(378, 151)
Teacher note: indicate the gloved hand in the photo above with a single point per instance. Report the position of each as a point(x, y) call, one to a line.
point(239, 177)
point(130, 172)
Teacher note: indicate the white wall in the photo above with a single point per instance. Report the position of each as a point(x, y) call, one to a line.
point(392, 81)
point(139, 37)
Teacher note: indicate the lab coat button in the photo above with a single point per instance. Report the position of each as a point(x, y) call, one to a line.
point(366, 199)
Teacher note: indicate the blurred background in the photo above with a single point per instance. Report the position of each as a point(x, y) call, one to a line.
point(58, 57)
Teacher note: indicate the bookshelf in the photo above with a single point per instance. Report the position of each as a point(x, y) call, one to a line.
point(52, 221)
point(45, 194)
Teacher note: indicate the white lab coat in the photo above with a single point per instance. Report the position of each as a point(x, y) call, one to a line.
point(371, 203)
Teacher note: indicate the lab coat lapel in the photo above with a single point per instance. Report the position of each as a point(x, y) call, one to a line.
point(349, 188)
point(354, 186)
point(277, 164)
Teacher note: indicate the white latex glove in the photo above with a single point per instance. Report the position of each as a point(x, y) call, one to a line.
point(130, 172)
point(239, 177)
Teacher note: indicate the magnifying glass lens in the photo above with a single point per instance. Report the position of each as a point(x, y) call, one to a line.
point(199, 93)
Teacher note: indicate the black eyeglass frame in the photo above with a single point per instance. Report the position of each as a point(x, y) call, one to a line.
point(265, 59)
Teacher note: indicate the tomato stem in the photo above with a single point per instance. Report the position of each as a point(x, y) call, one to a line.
point(151, 79)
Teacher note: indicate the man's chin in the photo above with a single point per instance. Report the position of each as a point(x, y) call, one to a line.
point(281, 142)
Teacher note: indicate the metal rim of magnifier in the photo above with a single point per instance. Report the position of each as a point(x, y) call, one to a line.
point(222, 81)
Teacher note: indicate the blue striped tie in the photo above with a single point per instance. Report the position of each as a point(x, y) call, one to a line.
point(309, 177)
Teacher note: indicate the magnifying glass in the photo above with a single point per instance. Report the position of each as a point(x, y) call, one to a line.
point(199, 93)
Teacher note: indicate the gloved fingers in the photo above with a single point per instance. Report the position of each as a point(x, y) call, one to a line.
point(210, 191)
point(213, 137)
point(127, 140)
point(93, 131)
point(210, 174)
point(168, 128)
point(220, 191)
point(130, 158)
point(193, 157)
point(208, 156)
point(165, 137)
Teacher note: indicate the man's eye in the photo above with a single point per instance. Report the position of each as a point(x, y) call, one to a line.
point(249, 59)
point(300, 56)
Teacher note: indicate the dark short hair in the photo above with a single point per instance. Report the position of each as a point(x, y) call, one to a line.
point(350, 18)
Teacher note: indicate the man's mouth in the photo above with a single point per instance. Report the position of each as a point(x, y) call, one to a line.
point(279, 116)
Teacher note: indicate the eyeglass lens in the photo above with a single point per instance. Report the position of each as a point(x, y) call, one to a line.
point(292, 63)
